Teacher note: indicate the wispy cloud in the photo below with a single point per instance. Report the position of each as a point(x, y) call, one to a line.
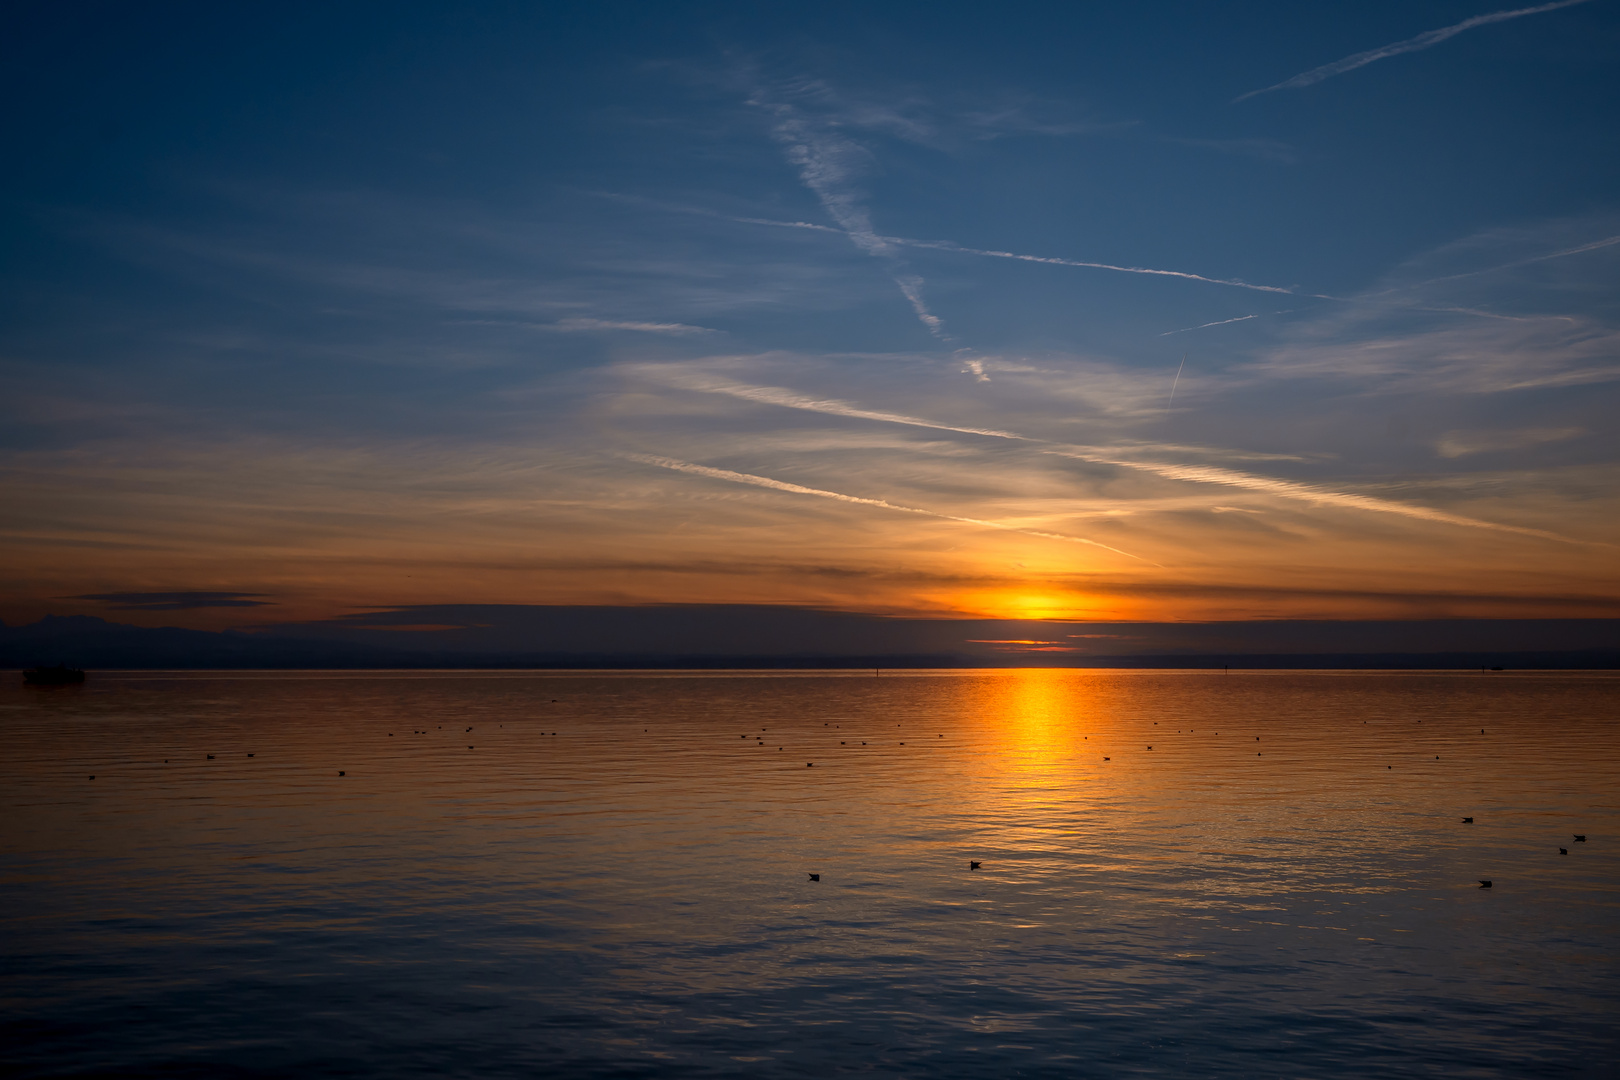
point(1117, 457)
point(1288, 489)
point(829, 164)
point(798, 489)
point(1425, 40)
point(791, 399)
point(173, 601)
point(574, 326)
point(1456, 444)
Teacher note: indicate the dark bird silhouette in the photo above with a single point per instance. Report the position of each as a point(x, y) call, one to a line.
point(1150, 748)
point(975, 864)
point(809, 764)
point(1563, 851)
point(1484, 884)
point(210, 757)
point(1108, 759)
point(1468, 821)
point(342, 773)
point(815, 877)
point(1580, 838)
point(971, 864)
point(250, 755)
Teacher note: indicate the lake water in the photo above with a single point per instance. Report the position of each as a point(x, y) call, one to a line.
point(1184, 874)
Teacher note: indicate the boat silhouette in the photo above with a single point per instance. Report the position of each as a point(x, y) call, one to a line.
point(56, 675)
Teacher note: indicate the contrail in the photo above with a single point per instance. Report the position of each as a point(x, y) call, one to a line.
point(1198, 474)
point(947, 245)
point(1424, 40)
point(789, 399)
point(1288, 489)
point(798, 489)
point(1176, 383)
point(868, 237)
point(827, 164)
point(1608, 241)
point(1217, 322)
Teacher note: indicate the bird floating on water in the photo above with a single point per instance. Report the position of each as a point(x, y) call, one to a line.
point(1580, 838)
point(815, 877)
point(1468, 821)
point(1484, 884)
point(1563, 851)
point(971, 864)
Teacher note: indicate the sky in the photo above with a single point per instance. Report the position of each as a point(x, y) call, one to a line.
point(1157, 312)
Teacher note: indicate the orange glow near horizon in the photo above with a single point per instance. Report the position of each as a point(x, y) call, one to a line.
point(1034, 605)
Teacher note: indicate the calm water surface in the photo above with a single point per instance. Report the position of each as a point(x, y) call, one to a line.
point(1184, 874)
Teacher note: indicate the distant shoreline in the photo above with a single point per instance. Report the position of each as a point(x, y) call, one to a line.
point(1505, 663)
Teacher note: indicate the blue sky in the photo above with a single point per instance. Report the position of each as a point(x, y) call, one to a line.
point(842, 305)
